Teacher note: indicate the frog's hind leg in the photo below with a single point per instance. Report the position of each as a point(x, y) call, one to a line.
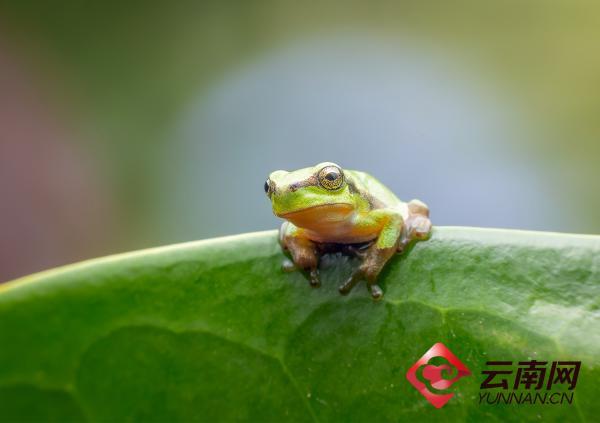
point(304, 252)
point(378, 254)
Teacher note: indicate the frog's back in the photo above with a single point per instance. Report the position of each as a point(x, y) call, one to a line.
point(378, 195)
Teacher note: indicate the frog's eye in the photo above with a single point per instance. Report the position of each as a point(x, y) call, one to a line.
point(267, 187)
point(331, 177)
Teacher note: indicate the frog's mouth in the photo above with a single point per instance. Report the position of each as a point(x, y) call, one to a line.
point(322, 214)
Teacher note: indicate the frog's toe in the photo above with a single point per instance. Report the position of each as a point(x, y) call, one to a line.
point(418, 207)
point(288, 266)
point(347, 286)
point(423, 232)
point(421, 227)
point(313, 278)
point(376, 292)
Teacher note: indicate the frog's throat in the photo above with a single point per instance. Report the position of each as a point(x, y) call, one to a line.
point(319, 215)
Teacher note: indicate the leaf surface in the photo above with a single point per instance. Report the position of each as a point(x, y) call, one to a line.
point(214, 330)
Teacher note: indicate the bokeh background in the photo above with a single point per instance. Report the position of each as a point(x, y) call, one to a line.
point(131, 124)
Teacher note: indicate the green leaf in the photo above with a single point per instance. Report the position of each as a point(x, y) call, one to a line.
point(214, 330)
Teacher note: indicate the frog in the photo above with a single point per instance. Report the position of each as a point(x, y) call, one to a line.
point(329, 209)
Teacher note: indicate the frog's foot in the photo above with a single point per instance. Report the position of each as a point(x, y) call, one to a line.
point(376, 292)
point(289, 266)
point(312, 275)
point(418, 224)
point(375, 260)
point(357, 276)
point(417, 228)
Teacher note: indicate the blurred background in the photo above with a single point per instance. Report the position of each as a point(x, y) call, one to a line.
point(126, 125)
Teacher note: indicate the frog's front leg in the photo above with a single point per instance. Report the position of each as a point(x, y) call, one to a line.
point(385, 246)
point(303, 251)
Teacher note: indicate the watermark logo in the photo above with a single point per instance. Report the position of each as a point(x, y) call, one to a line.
point(533, 382)
point(435, 372)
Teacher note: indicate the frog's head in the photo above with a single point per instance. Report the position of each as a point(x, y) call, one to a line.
point(313, 193)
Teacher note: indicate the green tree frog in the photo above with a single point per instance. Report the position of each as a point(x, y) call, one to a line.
point(327, 208)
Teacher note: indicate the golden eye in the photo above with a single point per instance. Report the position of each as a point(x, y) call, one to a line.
point(331, 177)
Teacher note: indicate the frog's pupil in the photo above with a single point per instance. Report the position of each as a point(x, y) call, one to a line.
point(267, 187)
point(331, 176)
